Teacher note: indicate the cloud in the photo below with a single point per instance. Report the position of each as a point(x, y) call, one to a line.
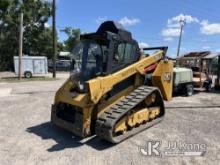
point(206, 47)
point(209, 29)
point(168, 39)
point(217, 50)
point(171, 32)
point(125, 21)
point(50, 1)
point(46, 25)
point(187, 18)
point(143, 45)
point(100, 20)
point(173, 26)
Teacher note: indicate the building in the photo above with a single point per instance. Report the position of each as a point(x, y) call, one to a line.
point(204, 61)
point(192, 59)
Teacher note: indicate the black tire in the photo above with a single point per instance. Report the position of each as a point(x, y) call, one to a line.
point(28, 74)
point(189, 90)
point(208, 87)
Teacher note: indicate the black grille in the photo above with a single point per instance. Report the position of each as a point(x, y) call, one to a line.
point(67, 112)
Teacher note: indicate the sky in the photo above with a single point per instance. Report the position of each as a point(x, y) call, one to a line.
point(151, 22)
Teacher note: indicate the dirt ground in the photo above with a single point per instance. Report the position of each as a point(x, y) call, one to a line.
point(27, 137)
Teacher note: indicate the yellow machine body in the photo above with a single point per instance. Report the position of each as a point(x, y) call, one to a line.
point(98, 87)
point(99, 105)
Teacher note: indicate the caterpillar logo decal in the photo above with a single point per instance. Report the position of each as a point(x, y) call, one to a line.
point(167, 77)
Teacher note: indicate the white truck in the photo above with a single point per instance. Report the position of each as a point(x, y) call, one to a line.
point(31, 65)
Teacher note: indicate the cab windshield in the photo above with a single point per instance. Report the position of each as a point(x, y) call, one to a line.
point(87, 57)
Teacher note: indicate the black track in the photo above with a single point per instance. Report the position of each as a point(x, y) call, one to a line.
point(106, 122)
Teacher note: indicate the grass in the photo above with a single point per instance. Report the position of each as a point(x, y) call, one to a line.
point(16, 80)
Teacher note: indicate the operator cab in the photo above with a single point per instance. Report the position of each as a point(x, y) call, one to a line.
point(108, 50)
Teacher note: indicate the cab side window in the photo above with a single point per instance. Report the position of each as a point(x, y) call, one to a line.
point(128, 52)
point(119, 53)
point(124, 53)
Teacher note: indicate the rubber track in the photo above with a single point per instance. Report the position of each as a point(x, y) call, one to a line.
point(106, 121)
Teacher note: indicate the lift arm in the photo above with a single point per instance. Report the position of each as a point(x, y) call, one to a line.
point(101, 85)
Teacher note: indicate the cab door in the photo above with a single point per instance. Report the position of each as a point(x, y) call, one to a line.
point(124, 56)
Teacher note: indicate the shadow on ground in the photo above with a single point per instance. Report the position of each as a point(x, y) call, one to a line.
point(197, 91)
point(65, 139)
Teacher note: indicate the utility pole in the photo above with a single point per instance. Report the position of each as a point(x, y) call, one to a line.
point(20, 47)
point(218, 76)
point(182, 23)
point(54, 39)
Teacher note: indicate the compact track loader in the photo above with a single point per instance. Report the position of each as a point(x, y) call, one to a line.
point(107, 93)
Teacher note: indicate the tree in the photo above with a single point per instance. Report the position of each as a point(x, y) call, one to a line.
point(73, 38)
point(37, 37)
